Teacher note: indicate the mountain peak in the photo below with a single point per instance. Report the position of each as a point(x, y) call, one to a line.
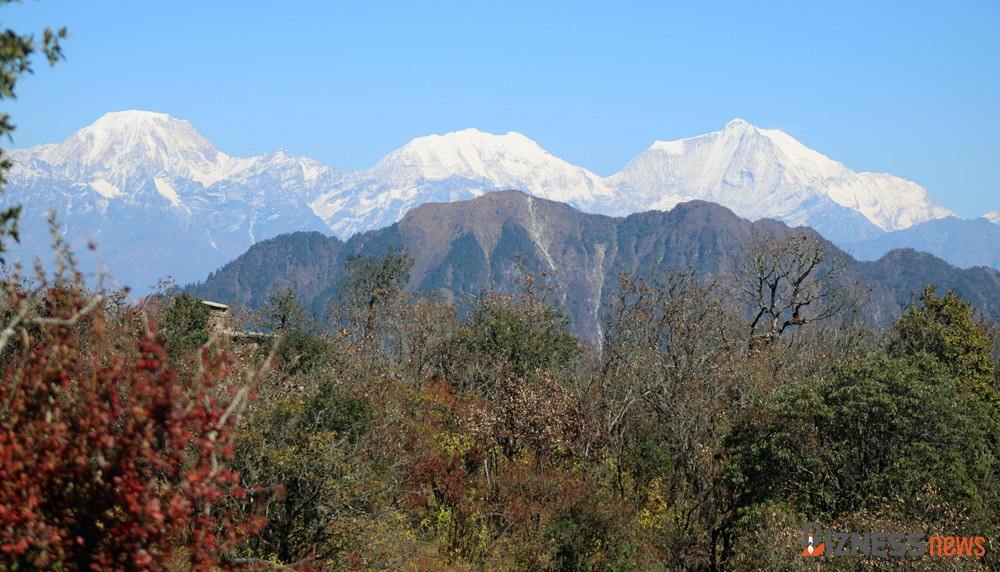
point(461, 164)
point(766, 173)
point(147, 130)
point(118, 119)
point(738, 124)
point(993, 217)
point(473, 140)
point(122, 141)
point(740, 130)
point(469, 153)
point(733, 131)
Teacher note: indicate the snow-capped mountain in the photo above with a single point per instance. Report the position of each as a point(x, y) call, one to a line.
point(136, 142)
point(993, 217)
point(159, 199)
point(757, 173)
point(456, 166)
point(762, 173)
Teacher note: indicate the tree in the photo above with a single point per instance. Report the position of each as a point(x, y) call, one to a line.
point(186, 327)
point(283, 311)
point(517, 333)
point(664, 341)
point(16, 52)
point(872, 435)
point(309, 446)
point(369, 286)
point(788, 283)
point(946, 328)
point(299, 351)
point(665, 396)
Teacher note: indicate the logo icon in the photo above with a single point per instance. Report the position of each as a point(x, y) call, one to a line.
point(811, 549)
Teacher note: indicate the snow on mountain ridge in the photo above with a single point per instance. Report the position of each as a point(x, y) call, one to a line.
point(756, 172)
point(154, 140)
point(122, 143)
point(130, 161)
point(455, 166)
point(766, 173)
point(145, 179)
point(503, 161)
point(464, 153)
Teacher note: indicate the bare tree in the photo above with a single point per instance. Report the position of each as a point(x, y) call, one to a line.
point(660, 334)
point(789, 282)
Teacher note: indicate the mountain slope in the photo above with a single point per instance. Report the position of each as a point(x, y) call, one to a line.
point(462, 247)
point(900, 275)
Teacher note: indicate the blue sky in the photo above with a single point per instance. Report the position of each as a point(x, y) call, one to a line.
point(908, 88)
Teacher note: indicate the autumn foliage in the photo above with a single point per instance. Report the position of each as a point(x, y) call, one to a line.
point(109, 458)
point(408, 434)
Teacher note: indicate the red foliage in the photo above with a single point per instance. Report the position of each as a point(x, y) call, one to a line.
point(444, 475)
point(109, 459)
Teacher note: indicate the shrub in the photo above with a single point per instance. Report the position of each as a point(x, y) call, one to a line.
point(300, 352)
point(880, 427)
point(186, 324)
point(109, 459)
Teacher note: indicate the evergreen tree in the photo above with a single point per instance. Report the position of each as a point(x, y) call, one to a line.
point(282, 312)
point(186, 325)
point(946, 328)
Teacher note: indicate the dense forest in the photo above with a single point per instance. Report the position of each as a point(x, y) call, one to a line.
point(714, 418)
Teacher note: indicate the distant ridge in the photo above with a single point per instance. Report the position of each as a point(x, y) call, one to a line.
point(459, 248)
point(965, 243)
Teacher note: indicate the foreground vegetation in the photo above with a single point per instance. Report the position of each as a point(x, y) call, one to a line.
point(401, 432)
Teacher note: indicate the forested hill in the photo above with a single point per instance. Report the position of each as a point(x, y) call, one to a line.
point(463, 247)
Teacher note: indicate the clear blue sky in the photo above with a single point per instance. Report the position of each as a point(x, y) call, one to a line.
point(909, 88)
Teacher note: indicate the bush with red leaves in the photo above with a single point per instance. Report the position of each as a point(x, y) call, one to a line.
point(110, 459)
